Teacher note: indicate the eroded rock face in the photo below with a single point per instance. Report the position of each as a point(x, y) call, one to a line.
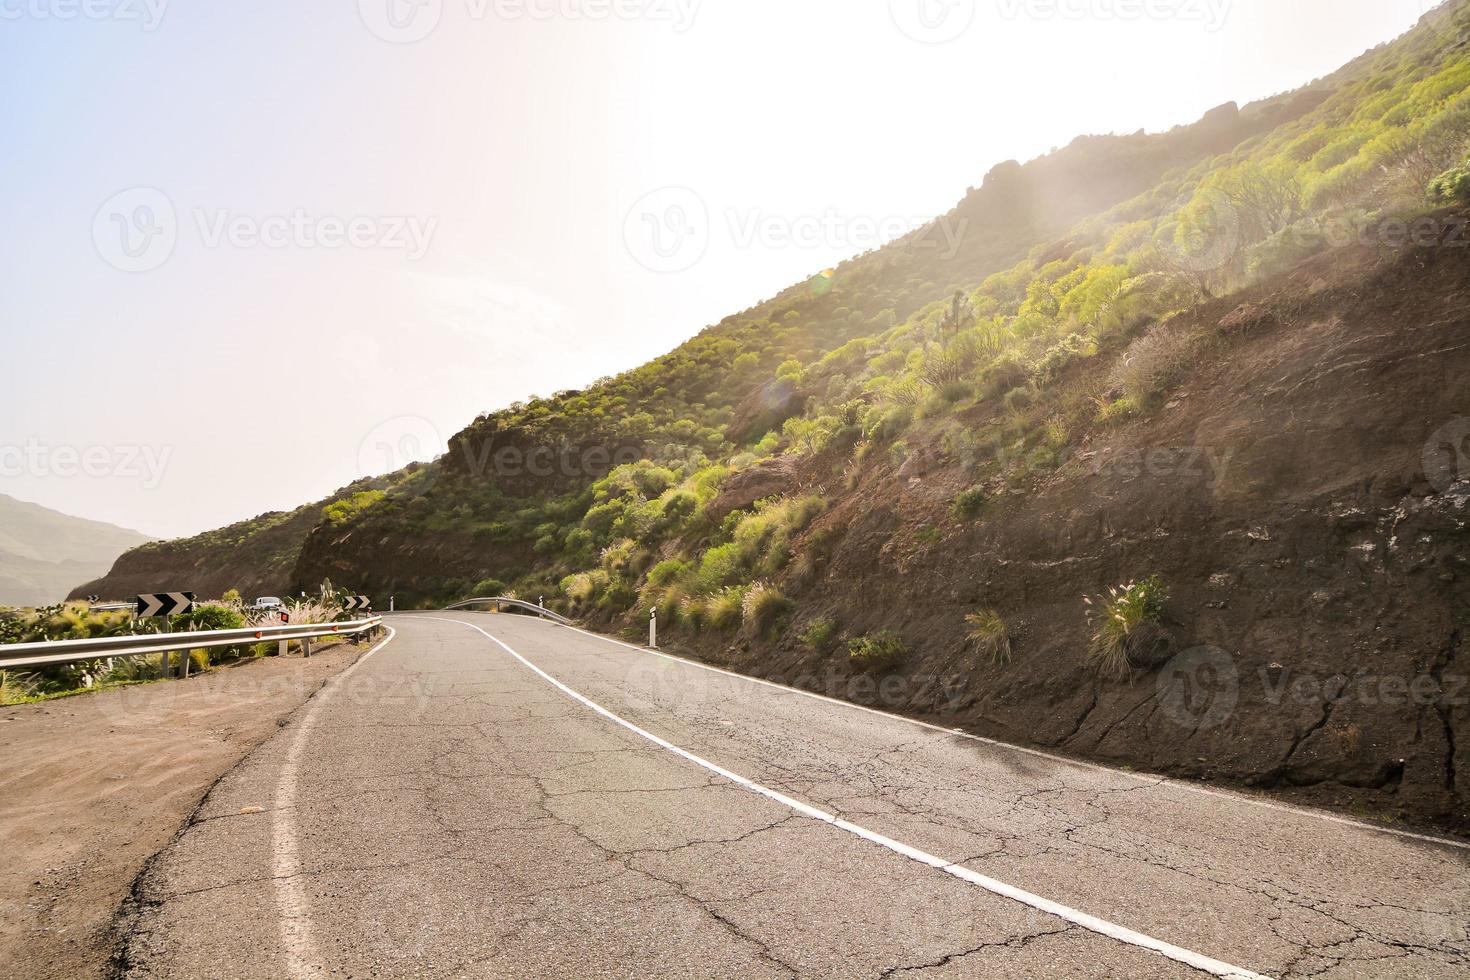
point(1307, 502)
point(768, 478)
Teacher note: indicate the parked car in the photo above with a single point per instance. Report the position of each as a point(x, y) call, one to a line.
point(267, 602)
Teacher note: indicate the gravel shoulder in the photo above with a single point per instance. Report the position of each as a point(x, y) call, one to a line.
point(95, 785)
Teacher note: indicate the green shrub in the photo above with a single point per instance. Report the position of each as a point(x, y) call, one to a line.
point(968, 503)
point(877, 652)
point(1128, 615)
point(18, 686)
point(693, 612)
point(764, 608)
point(680, 505)
point(887, 423)
point(488, 588)
point(207, 617)
point(955, 391)
point(1452, 185)
point(580, 589)
point(1114, 412)
point(667, 571)
point(344, 510)
point(1004, 374)
point(1056, 360)
point(819, 634)
point(1017, 400)
point(723, 610)
point(991, 636)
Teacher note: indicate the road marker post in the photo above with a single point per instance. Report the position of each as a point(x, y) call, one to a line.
point(653, 628)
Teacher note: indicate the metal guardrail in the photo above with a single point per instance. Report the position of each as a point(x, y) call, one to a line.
point(52, 652)
point(516, 604)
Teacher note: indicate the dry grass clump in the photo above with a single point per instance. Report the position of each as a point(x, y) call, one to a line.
point(1155, 363)
point(991, 636)
point(1130, 616)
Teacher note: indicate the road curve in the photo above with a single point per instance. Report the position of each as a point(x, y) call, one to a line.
point(496, 796)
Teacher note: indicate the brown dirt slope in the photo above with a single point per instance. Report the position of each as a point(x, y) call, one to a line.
point(1299, 497)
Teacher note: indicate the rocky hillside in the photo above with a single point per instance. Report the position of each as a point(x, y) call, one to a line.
point(1300, 494)
point(45, 553)
point(1161, 461)
point(257, 557)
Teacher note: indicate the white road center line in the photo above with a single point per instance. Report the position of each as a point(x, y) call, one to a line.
point(1090, 922)
point(292, 906)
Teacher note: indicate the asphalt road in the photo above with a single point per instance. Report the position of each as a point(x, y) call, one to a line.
point(494, 796)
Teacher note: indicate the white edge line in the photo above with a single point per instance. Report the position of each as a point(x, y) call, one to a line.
point(1040, 753)
point(1089, 922)
point(291, 902)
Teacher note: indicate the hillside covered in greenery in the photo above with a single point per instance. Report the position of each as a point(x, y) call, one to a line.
point(1082, 257)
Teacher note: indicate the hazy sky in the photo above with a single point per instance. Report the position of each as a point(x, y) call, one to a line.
point(256, 249)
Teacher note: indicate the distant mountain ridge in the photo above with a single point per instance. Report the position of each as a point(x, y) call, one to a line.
point(45, 553)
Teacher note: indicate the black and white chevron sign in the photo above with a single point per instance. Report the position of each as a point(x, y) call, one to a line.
point(357, 602)
point(164, 603)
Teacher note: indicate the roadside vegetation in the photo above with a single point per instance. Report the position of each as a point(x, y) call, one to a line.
point(1128, 632)
point(77, 621)
point(990, 636)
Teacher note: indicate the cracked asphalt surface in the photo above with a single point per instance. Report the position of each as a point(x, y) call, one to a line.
point(445, 811)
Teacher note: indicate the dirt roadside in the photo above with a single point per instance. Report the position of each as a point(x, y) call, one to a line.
point(95, 785)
